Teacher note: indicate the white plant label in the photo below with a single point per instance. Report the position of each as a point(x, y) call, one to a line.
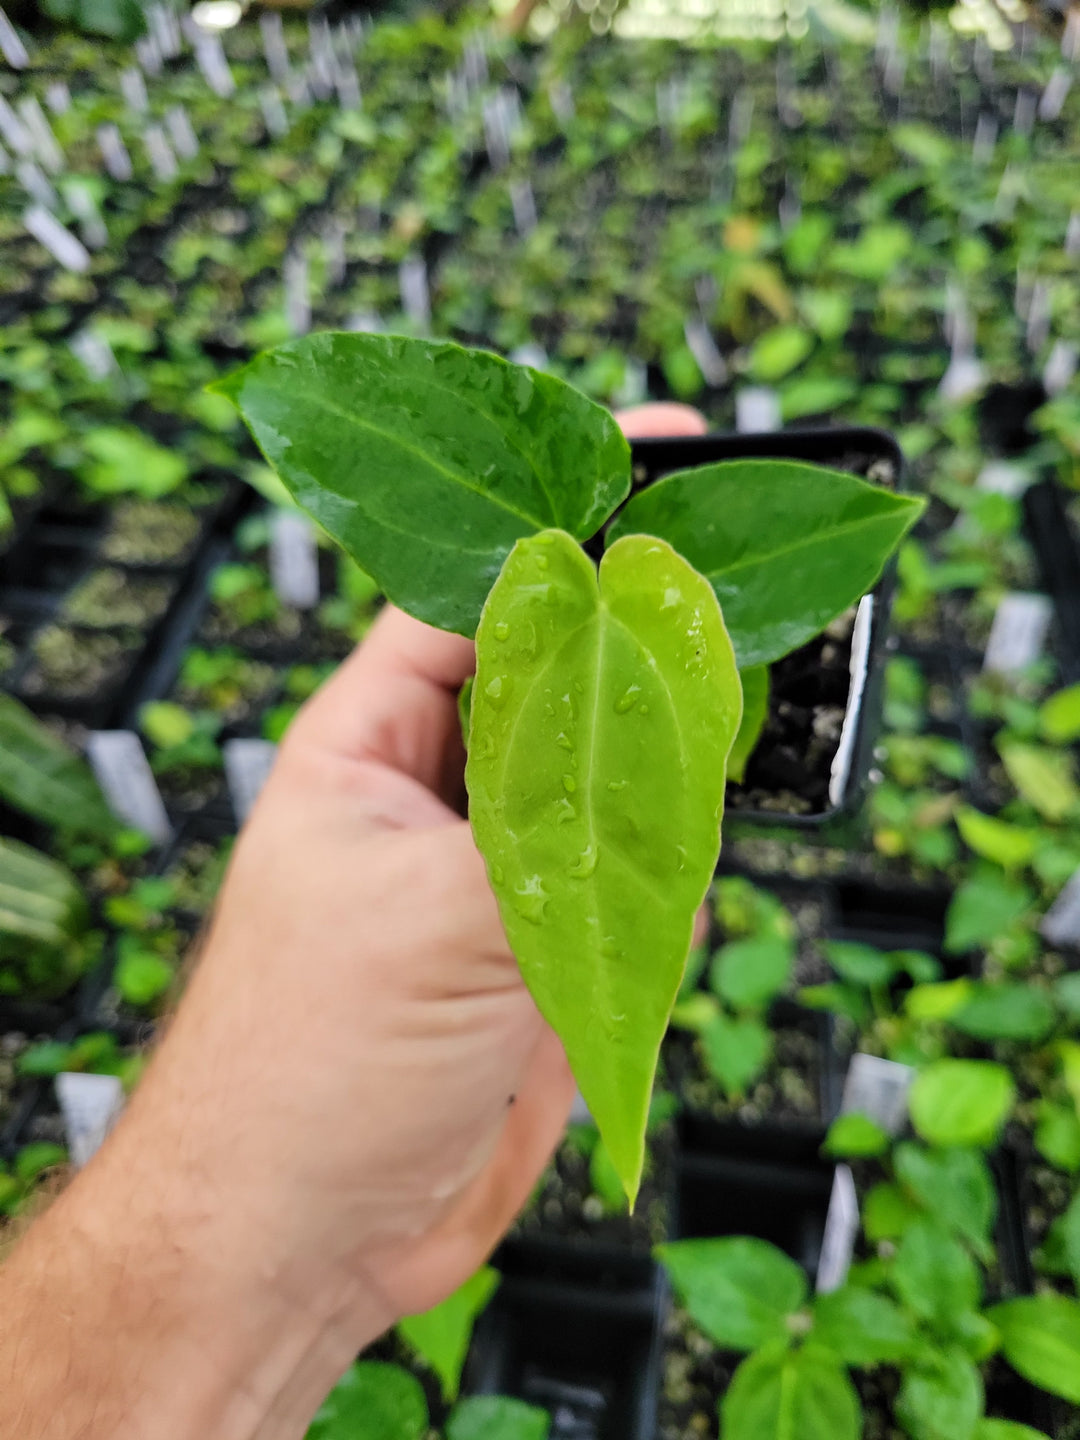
point(1053, 97)
point(347, 84)
point(858, 669)
point(841, 1230)
point(5, 161)
point(41, 135)
point(165, 29)
point(13, 130)
point(58, 98)
point(789, 211)
point(703, 347)
point(90, 1106)
point(1072, 234)
point(297, 298)
point(181, 132)
point(294, 560)
point(1061, 923)
point(64, 247)
point(273, 112)
point(533, 355)
point(133, 89)
point(366, 322)
point(210, 57)
point(248, 763)
point(1060, 368)
point(1038, 318)
point(92, 227)
point(95, 355)
point(757, 410)
point(160, 154)
point(964, 377)
point(274, 47)
point(1024, 112)
point(878, 1089)
point(333, 239)
point(36, 184)
point(122, 770)
point(1018, 632)
point(561, 99)
point(986, 133)
point(114, 152)
point(11, 45)
point(415, 295)
point(523, 200)
point(1003, 478)
point(148, 54)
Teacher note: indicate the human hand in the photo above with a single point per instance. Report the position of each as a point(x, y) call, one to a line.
point(357, 1093)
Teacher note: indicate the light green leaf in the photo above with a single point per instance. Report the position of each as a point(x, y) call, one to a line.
point(934, 1275)
point(738, 1290)
point(941, 1397)
point(888, 1212)
point(373, 1401)
point(1005, 1012)
point(497, 1417)
point(781, 1394)
point(779, 351)
point(441, 1335)
point(1045, 778)
point(787, 547)
point(426, 462)
point(755, 689)
point(855, 1136)
point(961, 1102)
point(1006, 1430)
point(859, 964)
point(1006, 845)
point(749, 973)
point(42, 777)
point(141, 975)
point(862, 1327)
point(1040, 1336)
point(1059, 717)
point(1057, 1135)
point(957, 1189)
point(736, 1051)
point(981, 909)
point(602, 716)
point(1067, 993)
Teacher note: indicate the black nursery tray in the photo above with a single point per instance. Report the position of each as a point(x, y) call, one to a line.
point(807, 770)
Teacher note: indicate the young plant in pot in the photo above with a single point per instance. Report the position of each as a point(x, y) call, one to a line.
point(607, 697)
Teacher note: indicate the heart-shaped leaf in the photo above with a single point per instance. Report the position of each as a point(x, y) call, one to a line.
point(781, 1394)
point(602, 716)
point(1040, 1335)
point(739, 1290)
point(426, 462)
point(787, 547)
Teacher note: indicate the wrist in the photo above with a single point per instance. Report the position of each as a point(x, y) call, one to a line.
point(140, 1302)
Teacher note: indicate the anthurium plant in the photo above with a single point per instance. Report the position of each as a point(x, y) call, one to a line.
point(608, 695)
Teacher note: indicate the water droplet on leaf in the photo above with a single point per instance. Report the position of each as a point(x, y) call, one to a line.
point(569, 784)
point(502, 630)
point(585, 864)
point(626, 702)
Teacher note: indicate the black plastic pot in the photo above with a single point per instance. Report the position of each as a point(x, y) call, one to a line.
point(800, 680)
point(575, 1331)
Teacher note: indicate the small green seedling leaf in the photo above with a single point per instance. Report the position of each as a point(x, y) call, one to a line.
point(982, 908)
point(1009, 846)
point(1057, 1135)
point(961, 1102)
point(740, 1291)
point(934, 1275)
point(787, 547)
point(941, 1397)
point(441, 1335)
point(736, 1051)
point(1005, 1012)
point(602, 716)
point(855, 1136)
point(1040, 1336)
point(373, 1401)
point(426, 462)
point(863, 1327)
point(1059, 717)
point(1045, 778)
point(755, 689)
point(1006, 1430)
point(749, 973)
point(497, 1417)
point(782, 1394)
point(955, 1187)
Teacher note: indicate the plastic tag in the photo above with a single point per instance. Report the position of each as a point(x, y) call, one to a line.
point(1003, 478)
point(5, 161)
point(294, 560)
point(11, 45)
point(1061, 923)
point(160, 154)
point(523, 200)
point(1072, 234)
point(90, 1106)
point(757, 410)
point(13, 130)
point(1060, 367)
point(247, 765)
point(58, 98)
point(497, 130)
point(95, 354)
point(148, 54)
point(986, 132)
point(1018, 632)
point(561, 99)
point(133, 89)
point(1053, 97)
point(841, 1230)
point(165, 29)
point(181, 132)
point(347, 84)
point(83, 206)
point(274, 47)
point(858, 668)
point(703, 347)
point(210, 57)
point(415, 296)
point(273, 112)
point(114, 152)
point(366, 322)
point(1038, 320)
point(60, 243)
point(123, 772)
point(533, 355)
point(878, 1089)
point(1024, 112)
point(41, 136)
point(964, 377)
point(1070, 39)
point(789, 211)
point(34, 182)
point(297, 302)
point(333, 239)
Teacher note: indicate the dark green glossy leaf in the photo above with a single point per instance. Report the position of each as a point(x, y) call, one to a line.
point(786, 546)
point(755, 689)
point(602, 715)
point(781, 1394)
point(441, 1335)
point(739, 1290)
point(955, 1187)
point(862, 1327)
point(373, 1401)
point(961, 1102)
point(42, 777)
point(426, 462)
point(497, 1417)
point(941, 1397)
point(1040, 1335)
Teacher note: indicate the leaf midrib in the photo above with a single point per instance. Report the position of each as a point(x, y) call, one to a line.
point(802, 543)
